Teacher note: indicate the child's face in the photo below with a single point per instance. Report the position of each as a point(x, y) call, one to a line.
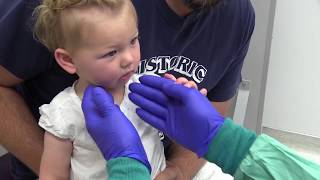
point(110, 52)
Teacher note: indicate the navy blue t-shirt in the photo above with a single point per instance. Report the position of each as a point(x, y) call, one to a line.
point(207, 47)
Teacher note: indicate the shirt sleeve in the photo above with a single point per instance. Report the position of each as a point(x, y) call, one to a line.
point(127, 169)
point(228, 84)
point(269, 159)
point(240, 153)
point(20, 53)
point(61, 117)
point(229, 146)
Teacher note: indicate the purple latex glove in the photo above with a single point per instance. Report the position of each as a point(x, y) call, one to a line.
point(182, 113)
point(109, 127)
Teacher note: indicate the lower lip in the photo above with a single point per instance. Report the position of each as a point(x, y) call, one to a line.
point(126, 77)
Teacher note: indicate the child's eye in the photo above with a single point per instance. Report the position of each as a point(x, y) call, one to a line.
point(110, 54)
point(134, 40)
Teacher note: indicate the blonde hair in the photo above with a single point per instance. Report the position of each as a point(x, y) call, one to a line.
point(48, 27)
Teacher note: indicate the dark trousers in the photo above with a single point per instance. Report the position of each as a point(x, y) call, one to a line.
point(19, 171)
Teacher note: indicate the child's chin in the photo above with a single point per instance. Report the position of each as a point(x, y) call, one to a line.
point(120, 83)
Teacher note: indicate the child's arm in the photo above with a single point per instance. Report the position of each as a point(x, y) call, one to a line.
point(55, 161)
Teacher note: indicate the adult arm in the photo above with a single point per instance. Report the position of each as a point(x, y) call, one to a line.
point(19, 132)
point(187, 161)
point(184, 164)
point(239, 152)
point(127, 169)
point(222, 107)
point(55, 162)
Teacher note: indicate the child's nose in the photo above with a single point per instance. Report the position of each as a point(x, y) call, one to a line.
point(128, 58)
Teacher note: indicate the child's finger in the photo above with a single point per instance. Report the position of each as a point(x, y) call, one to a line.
point(182, 80)
point(170, 76)
point(204, 91)
point(191, 84)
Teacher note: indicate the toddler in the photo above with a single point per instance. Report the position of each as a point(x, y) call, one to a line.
point(98, 41)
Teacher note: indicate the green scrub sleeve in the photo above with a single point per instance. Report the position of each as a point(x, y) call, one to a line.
point(238, 152)
point(229, 146)
point(269, 159)
point(127, 169)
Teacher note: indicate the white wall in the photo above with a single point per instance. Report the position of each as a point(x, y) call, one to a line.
point(292, 99)
point(2, 151)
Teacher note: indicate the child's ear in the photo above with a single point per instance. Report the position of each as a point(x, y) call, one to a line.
point(64, 59)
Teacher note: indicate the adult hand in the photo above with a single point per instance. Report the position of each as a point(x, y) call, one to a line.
point(171, 172)
point(182, 113)
point(109, 127)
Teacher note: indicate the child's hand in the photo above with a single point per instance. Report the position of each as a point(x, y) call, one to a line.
point(186, 83)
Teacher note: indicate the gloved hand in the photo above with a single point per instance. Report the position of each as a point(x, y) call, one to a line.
point(109, 127)
point(182, 113)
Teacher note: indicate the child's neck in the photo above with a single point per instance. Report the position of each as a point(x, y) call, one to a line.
point(117, 93)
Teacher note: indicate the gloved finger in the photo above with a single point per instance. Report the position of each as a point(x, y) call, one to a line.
point(89, 108)
point(151, 119)
point(178, 92)
point(155, 82)
point(148, 105)
point(87, 102)
point(149, 93)
point(103, 101)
